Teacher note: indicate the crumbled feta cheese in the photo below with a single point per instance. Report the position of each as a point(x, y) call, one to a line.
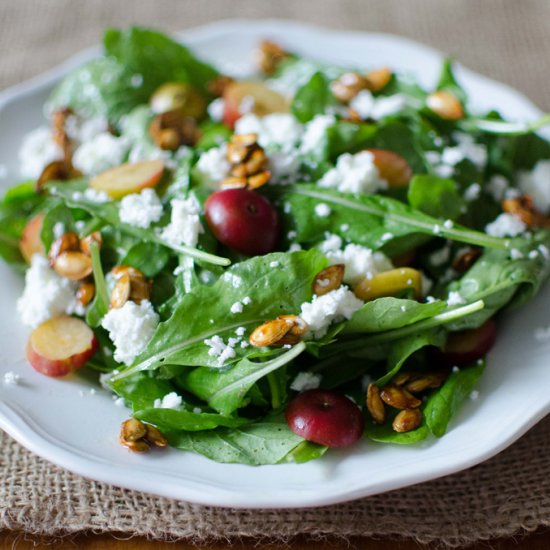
point(315, 131)
point(448, 224)
point(213, 165)
point(170, 401)
point(332, 242)
point(455, 369)
point(543, 249)
point(284, 166)
point(437, 229)
point(533, 254)
point(119, 402)
point(136, 80)
point(497, 186)
point(322, 210)
point(466, 148)
point(279, 130)
point(235, 280)
point(11, 378)
point(221, 350)
point(359, 261)
point(37, 150)
point(81, 130)
point(237, 307)
point(240, 331)
point(306, 381)
point(367, 106)
point(537, 184)
point(130, 329)
point(344, 227)
point(386, 237)
point(46, 294)
point(274, 263)
point(140, 209)
point(185, 226)
point(91, 195)
point(474, 395)
point(145, 151)
point(426, 284)
point(505, 225)
point(354, 174)
point(336, 305)
point(472, 192)
point(455, 299)
point(430, 299)
point(516, 254)
point(443, 170)
point(294, 247)
point(58, 230)
point(246, 300)
point(216, 109)
point(441, 256)
point(102, 152)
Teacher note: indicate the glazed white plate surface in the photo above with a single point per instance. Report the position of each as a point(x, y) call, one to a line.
point(66, 423)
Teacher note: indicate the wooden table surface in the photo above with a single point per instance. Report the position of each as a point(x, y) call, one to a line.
point(540, 540)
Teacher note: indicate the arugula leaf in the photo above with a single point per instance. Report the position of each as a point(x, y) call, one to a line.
point(58, 213)
point(141, 390)
point(435, 196)
point(100, 304)
point(267, 441)
point(169, 420)
point(272, 291)
point(447, 81)
point(443, 404)
point(226, 390)
point(390, 313)
point(380, 214)
point(313, 98)
point(149, 258)
point(385, 434)
point(499, 280)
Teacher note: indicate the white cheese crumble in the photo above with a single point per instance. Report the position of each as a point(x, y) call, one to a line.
point(274, 263)
point(336, 305)
point(216, 109)
point(241, 331)
point(466, 148)
point(46, 294)
point(213, 165)
point(505, 225)
point(367, 106)
point(537, 184)
point(441, 256)
point(170, 401)
point(235, 280)
point(497, 187)
point(474, 395)
point(472, 192)
point(516, 254)
point(279, 130)
point(221, 350)
point(81, 129)
point(58, 230)
point(354, 174)
point(130, 329)
point(37, 150)
point(455, 299)
point(90, 194)
point(315, 131)
point(140, 209)
point(102, 152)
point(185, 226)
point(306, 381)
point(11, 378)
point(322, 210)
point(359, 261)
point(237, 307)
point(119, 402)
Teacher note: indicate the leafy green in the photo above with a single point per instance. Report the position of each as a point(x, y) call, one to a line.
point(448, 82)
point(57, 214)
point(381, 215)
point(435, 196)
point(267, 441)
point(386, 434)
point(390, 313)
point(149, 258)
point(443, 404)
point(168, 420)
point(313, 98)
point(272, 291)
point(100, 304)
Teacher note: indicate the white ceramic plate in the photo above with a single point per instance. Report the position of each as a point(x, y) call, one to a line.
point(66, 423)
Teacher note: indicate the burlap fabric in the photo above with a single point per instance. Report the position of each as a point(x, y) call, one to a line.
point(508, 40)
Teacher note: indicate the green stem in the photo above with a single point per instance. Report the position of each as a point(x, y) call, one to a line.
point(99, 277)
point(503, 127)
point(274, 389)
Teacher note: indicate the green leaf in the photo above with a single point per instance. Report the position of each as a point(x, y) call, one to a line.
point(149, 258)
point(305, 452)
point(381, 215)
point(141, 390)
point(170, 420)
point(58, 213)
point(268, 441)
point(272, 291)
point(100, 305)
point(390, 313)
point(313, 98)
point(447, 81)
point(385, 434)
point(444, 403)
point(435, 196)
point(225, 391)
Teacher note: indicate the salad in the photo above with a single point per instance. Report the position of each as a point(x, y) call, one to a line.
point(262, 269)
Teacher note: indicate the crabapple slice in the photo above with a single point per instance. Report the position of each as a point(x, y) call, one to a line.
point(30, 243)
point(325, 417)
point(128, 178)
point(469, 345)
point(262, 101)
point(243, 220)
point(60, 346)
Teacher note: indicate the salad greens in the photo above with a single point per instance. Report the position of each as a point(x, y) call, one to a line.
point(423, 226)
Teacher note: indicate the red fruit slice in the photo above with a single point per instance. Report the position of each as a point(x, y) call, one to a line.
point(469, 345)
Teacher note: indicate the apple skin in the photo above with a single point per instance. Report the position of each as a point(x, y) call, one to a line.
point(325, 417)
point(129, 178)
point(265, 101)
point(30, 243)
point(57, 367)
point(468, 346)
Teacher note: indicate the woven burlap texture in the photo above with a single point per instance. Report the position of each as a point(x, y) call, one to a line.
point(508, 40)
